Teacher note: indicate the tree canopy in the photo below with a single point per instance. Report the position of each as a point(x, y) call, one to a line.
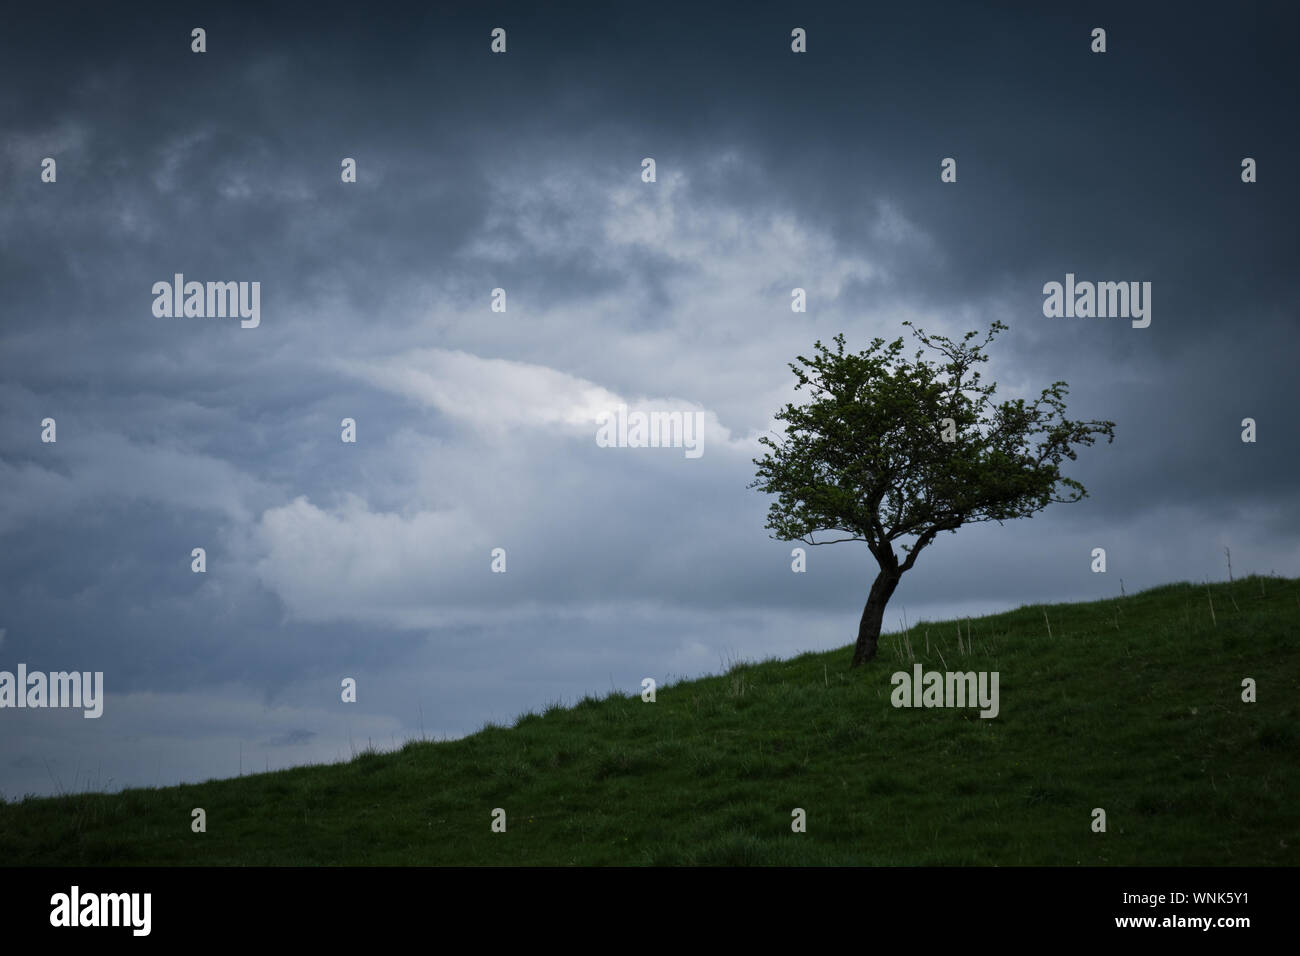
point(895, 449)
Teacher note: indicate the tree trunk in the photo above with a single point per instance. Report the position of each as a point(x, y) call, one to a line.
point(873, 614)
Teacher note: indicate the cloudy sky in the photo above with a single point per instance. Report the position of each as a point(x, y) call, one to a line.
point(476, 429)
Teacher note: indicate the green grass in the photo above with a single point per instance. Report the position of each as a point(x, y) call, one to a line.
point(1133, 705)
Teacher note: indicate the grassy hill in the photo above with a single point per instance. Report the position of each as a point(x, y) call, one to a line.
point(1132, 705)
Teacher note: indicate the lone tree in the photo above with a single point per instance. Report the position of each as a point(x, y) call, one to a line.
point(890, 450)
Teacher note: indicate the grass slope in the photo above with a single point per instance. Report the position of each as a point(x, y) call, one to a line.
point(1132, 705)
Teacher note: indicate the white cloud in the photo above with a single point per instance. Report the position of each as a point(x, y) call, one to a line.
point(354, 563)
point(486, 391)
point(494, 395)
point(105, 465)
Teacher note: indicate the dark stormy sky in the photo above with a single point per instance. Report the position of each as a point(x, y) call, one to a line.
point(476, 428)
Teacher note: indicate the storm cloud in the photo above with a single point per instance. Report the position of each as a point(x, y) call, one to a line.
point(475, 428)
